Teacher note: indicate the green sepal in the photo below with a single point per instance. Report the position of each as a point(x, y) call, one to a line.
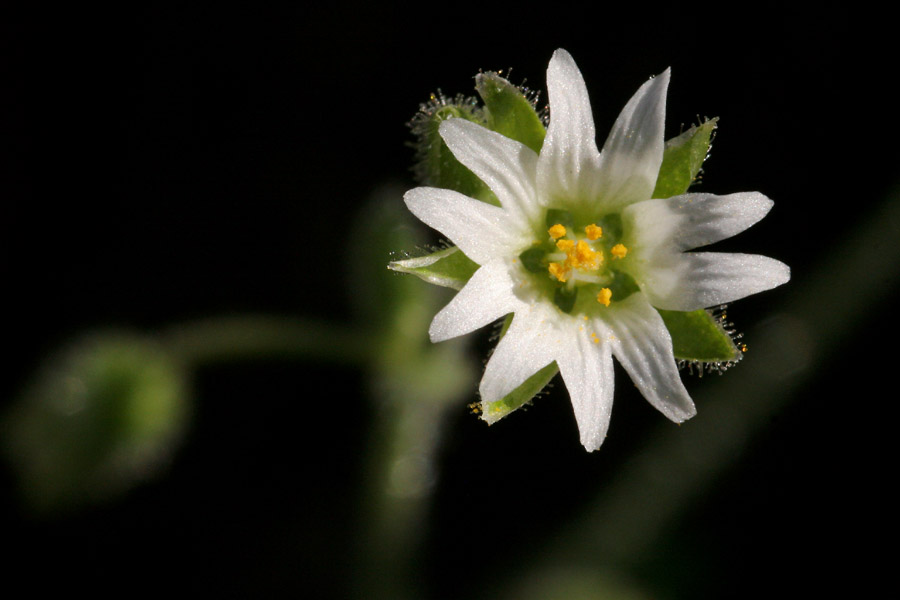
point(509, 111)
point(564, 298)
point(449, 267)
point(491, 412)
point(682, 159)
point(699, 336)
point(435, 164)
point(534, 260)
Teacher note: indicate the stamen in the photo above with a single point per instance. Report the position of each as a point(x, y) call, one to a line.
point(557, 270)
point(557, 231)
point(619, 251)
point(605, 296)
point(585, 256)
point(593, 232)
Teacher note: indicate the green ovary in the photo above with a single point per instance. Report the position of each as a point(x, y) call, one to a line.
point(576, 264)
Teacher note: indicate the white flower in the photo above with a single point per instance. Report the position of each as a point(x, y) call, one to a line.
point(582, 256)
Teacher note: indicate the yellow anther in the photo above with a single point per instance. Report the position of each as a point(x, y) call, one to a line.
point(605, 296)
point(593, 232)
point(557, 270)
point(557, 231)
point(565, 245)
point(619, 251)
point(585, 257)
point(584, 252)
point(594, 338)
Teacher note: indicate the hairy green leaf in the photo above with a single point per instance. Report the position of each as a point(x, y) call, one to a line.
point(492, 412)
point(699, 336)
point(682, 159)
point(509, 111)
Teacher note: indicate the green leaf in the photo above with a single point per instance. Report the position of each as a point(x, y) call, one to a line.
point(435, 164)
point(491, 412)
point(509, 111)
point(699, 336)
point(448, 267)
point(682, 159)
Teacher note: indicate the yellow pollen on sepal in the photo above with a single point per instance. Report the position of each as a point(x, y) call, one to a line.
point(557, 231)
point(619, 251)
point(605, 296)
point(593, 232)
point(557, 270)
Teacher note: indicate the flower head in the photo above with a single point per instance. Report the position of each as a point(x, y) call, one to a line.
point(582, 256)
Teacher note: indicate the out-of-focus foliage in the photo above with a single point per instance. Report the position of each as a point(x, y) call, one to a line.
point(101, 416)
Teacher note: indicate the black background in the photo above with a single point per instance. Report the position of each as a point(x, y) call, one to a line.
point(160, 166)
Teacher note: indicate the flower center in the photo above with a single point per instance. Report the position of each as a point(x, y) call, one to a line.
point(579, 261)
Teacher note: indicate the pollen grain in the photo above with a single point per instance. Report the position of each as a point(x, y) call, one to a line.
point(557, 231)
point(605, 296)
point(593, 232)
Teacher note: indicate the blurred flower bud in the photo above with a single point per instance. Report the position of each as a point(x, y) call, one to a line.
point(101, 416)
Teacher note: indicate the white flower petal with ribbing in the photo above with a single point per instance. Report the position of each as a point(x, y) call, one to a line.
point(633, 152)
point(693, 220)
point(660, 230)
point(486, 297)
point(530, 344)
point(643, 346)
point(712, 278)
point(505, 165)
point(569, 158)
point(587, 369)
point(480, 230)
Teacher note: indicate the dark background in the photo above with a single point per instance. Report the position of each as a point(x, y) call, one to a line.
point(158, 167)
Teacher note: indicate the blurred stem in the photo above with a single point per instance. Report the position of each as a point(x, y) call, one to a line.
point(413, 392)
point(231, 338)
point(413, 385)
point(399, 478)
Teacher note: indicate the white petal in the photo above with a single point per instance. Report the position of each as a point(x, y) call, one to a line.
point(693, 220)
point(527, 347)
point(486, 297)
point(707, 279)
point(481, 231)
point(587, 370)
point(643, 346)
point(505, 165)
point(632, 154)
point(569, 157)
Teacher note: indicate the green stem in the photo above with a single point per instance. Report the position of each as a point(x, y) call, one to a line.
point(232, 338)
